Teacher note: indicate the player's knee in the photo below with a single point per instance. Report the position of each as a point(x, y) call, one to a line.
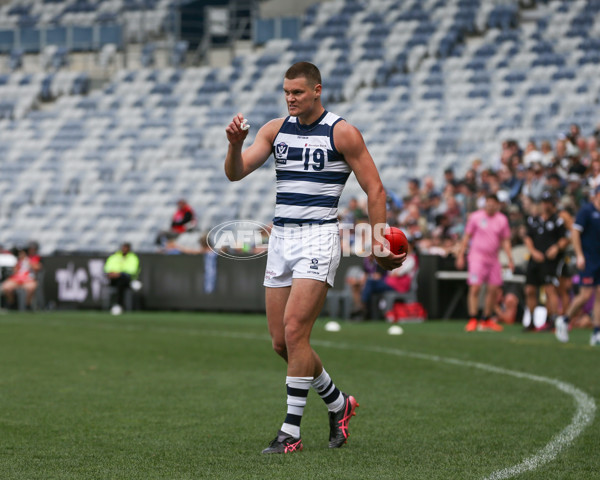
point(530, 290)
point(294, 333)
point(586, 293)
point(280, 348)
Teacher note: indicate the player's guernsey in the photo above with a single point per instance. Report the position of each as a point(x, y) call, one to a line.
point(311, 173)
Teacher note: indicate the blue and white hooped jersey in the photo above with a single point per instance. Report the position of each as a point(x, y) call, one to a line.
point(311, 173)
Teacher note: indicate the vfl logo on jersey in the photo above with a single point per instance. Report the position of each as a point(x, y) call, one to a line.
point(281, 151)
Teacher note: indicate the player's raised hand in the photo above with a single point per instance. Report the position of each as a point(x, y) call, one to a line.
point(237, 130)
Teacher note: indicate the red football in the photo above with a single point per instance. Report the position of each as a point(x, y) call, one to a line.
point(397, 239)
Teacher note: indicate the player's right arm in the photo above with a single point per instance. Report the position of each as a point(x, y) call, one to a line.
point(576, 239)
point(576, 229)
point(469, 230)
point(534, 252)
point(238, 164)
point(460, 256)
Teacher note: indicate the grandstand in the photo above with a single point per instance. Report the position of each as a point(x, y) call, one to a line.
point(431, 84)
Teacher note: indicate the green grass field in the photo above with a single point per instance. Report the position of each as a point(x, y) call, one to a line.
point(189, 396)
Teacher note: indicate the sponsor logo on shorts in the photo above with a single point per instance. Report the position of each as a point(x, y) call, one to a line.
point(315, 263)
point(269, 274)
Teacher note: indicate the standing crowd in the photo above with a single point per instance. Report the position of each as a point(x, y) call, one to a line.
point(549, 195)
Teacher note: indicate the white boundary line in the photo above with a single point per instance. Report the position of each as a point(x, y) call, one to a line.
point(583, 417)
point(584, 414)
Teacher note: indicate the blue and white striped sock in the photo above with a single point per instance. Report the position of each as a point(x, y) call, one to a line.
point(297, 391)
point(327, 390)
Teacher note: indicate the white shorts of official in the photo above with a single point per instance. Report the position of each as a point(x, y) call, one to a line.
point(309, 251)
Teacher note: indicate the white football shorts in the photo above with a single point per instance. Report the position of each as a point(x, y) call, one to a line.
point(308, 251)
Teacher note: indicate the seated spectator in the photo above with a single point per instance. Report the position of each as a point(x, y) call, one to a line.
point(508, 310)
point(121, 268)
point(171, 247)
point(353, 212)
point(401, 278)
point(183, 220)
point(7, 262)
point(374, 283)
point(23, 276)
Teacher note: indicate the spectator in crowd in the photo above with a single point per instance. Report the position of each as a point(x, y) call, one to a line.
point(535, 182)
point(555, 183)
point(574, 189)
point(547, 153)
point(449, 177)
point(413, 191)
point(575, 165)
point(592, 151)
point(437, 214)
point(546, 241)
point(122, 268)
point(23, 276)
point(586, 242)
point(487, 231)
point(183, 220)
point(508, 309)
point(428, 188)
point(573, 135)
point(470, 180)
point(353, 213)
point(171, 247)
point(374, 284)
point(401, 279)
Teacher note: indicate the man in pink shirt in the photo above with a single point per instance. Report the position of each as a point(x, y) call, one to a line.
point(487, 231)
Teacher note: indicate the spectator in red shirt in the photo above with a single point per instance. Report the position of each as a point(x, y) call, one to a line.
point(183, 220)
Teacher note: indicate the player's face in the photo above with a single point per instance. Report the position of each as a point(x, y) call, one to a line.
point(300, 97)
point(547, 207)
point(491, 206)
